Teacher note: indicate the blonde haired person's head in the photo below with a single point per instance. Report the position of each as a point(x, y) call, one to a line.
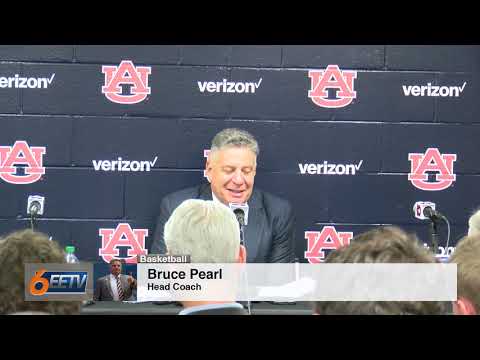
point(467, 258)
point(206, 230)
point(474, 224)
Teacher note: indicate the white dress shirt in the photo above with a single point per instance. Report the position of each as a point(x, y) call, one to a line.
point(218, 201)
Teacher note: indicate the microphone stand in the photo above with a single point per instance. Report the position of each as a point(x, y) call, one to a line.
point(33, 222)
point(33, 216)
point(243, 242)
point(434, 235)
point(434, 217)
point(242, 235)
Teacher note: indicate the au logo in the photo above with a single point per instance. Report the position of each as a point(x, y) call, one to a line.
point(12, 158)
point(340, 82)
point(136, 77)
point(58, 282)
point(122, 235)
point(432, 161)
point(327, 239)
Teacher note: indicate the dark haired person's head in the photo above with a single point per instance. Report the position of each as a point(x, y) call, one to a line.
point(22, 247)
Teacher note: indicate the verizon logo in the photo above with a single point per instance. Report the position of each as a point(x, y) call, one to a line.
point(433, 90)
point(123, 165)
point(18, 82)
point(442, 251)
point(228, 86)
point(330, 169)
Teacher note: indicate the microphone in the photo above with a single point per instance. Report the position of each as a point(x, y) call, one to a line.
point(241, 212)
point(425, 210)
point(35, 205)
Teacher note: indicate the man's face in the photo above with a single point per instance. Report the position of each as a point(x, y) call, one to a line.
point(115, 267)
point(232, 172)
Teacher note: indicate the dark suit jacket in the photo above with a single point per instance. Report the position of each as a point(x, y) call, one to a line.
point(103, 289)
point(269, 235)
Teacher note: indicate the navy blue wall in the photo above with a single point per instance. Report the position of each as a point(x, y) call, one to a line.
point(78, 124)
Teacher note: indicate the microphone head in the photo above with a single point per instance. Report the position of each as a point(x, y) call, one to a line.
point(419, 209)
point(35, 205)
point(240, 214)
point(240, 211)
point(432, 214)
point(34, 208)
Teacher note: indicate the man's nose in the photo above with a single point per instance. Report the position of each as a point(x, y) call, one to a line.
point(238, 178)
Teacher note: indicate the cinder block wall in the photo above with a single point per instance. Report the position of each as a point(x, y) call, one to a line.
point(51, 96)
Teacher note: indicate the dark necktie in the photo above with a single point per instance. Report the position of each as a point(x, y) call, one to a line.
point(119, 288)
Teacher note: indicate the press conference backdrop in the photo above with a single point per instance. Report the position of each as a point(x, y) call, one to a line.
point(353, 136)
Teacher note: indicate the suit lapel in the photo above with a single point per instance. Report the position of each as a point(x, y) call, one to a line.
point(109, 286)
point(124, 282)
point(254, 229)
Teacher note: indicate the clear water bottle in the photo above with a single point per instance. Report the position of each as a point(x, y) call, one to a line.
point(70, 255)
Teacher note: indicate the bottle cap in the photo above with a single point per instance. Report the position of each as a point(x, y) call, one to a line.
point(70, 249)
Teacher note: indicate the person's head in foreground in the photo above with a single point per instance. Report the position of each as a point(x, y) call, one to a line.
point(381, 245)
point(474, 224)
point(232, 164)
point(467, 258)
point(207, 231)
point(22, 247)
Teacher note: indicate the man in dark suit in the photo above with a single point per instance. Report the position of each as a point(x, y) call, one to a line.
point(231, 168)
point(114, 286)
point(209, 233)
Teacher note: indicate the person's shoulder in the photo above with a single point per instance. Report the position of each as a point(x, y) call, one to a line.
point(273, 201)
point(103, 278)
point(184, 194)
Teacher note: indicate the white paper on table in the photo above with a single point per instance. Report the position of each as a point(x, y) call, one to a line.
point(294, 289)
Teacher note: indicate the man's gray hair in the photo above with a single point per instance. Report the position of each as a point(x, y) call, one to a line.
point(206, 230)
point(474, 224)
point(233, 137)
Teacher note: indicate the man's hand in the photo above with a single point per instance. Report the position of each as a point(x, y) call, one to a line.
point(131, 281)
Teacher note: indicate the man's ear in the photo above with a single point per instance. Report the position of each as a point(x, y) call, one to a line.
point(242, 254)
point(463, 306)
point(207, 166)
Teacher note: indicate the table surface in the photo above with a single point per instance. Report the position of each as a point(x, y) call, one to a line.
point(149, 308)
